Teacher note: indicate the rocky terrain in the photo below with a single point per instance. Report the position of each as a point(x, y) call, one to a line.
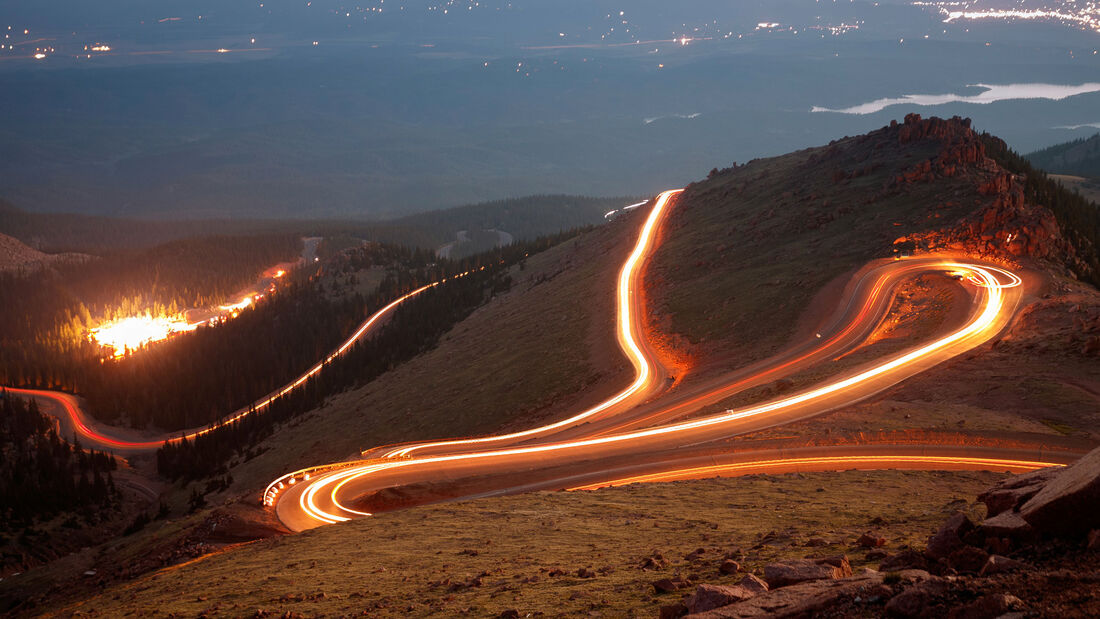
point(1005, 225)
point(1036, 553)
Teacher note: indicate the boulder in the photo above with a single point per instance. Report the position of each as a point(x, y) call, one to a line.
point(753, 582)
point(1067, 503)
point(1014, 491)
point(796, 571)
point(807, 599)
point(709, 597)
point(668, 585)
point(996, 564)
point(1006, 524)
point(672, 611)
point(729, 566)
point(870, 540)
point(987, 607)
point(838, 561)
point(905, 560)
point(916, 600)
point(949, 537)
point(968, 559)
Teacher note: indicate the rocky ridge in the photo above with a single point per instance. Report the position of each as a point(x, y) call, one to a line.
point(1003, 226)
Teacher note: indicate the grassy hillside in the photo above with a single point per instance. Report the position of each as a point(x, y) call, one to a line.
point(748, 250)
point(481, 558)
point(544, 348)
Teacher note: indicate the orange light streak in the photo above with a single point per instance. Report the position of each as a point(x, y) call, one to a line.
point(87, 431)
point(829, 462)
point(127, 334)
point(626, 335)
point(981, 327)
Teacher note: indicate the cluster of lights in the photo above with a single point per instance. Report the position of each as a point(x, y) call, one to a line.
point(1085, 15)
point(281, 484)
point(131, 333)
point(128, 334)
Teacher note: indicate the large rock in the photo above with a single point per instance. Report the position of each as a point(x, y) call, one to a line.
point(1007, 524)
point(729, 566)
point(871, 540)
point(996, 564)
point(753, 583)
point(709, 597)
point(904, 560)
point(949, 538)
point(987, 607)
point(668, 585)
point(1014, 491)
point(806, 599)
point(968, 559)
point(800, 570)
point(916, 601)
point(1067, 504)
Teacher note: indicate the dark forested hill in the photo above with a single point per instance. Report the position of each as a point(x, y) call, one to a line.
point(1079, 157)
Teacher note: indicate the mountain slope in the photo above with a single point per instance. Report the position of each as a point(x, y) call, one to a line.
point(16, 256)
point(754, 256)
point(746, 263)
point(1080, 157)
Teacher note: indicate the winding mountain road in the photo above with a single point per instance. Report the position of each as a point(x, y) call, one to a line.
point(647, 432)
point(633, 436)
point(72, 420)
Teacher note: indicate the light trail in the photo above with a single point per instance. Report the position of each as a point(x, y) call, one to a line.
point(824, 463)
point(627, 335)
point(990, 312)
point(127, 334)
point(324, 498)
point(75, 416)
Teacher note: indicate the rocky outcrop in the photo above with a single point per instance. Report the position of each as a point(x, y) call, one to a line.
point(811, 598)
point(793, 572)
point(948, 538)
point(962, 572)
point(1069, 503)
point(1002, 224)
point(709, 597)
point(1011, 493)
point(959, 147)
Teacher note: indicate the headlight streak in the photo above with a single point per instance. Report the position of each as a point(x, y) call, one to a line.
point(981, 327)
point(85, 430)
point(850, 461)
point(626, 336)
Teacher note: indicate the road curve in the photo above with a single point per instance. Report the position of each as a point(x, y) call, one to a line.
point(649, 374)
point(66, 408)
point(305, 499)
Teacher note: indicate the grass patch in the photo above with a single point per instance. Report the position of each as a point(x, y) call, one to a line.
point(524, 552)
point(1057, 426)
